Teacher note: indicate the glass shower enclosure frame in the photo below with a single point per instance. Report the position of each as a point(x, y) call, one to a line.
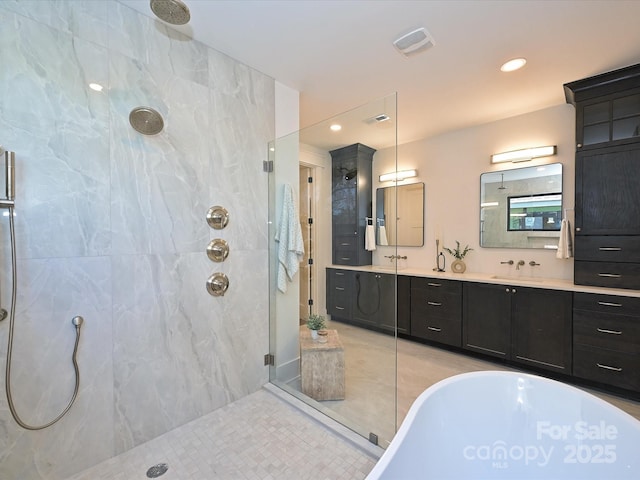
point(361, 351)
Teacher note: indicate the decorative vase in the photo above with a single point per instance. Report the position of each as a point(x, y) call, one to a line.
point(323, 336)
point(458, 266)
point(314, 334)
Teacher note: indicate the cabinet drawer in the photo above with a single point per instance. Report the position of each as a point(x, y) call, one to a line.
point(343, 256)
point(606, 366)
point(437, 329)
point(339, 280)
point(440, 304)
point(608, 248)
point(436, 285)
point(613, 332)
point(345, 242)
point(339, 305)
point(613, 304)
point(607, 274)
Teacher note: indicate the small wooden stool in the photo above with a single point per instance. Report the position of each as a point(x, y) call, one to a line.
point(322, 366)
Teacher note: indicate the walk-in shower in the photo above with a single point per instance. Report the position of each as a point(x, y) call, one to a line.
point(9, 203)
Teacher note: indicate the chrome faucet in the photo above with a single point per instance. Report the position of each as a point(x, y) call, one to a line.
point(520, 263)
point(395, 257)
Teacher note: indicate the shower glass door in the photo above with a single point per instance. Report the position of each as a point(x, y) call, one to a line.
point(352, 376)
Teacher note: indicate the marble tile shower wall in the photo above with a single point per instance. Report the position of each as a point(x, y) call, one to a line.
point(111, 225)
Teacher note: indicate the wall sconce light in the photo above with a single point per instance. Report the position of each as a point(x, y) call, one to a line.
point(398, 176)
point(524, 155)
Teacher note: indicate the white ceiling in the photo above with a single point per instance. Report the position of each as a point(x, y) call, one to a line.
point(339, 54)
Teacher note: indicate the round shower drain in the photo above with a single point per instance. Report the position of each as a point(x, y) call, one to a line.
point(157, 470)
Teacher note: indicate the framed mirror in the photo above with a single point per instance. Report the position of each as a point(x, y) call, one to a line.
point(522, 207)
point(408, 229)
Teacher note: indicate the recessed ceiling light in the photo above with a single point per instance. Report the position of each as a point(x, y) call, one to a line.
point(95, 86)
point(513, 64)
point(335, 127)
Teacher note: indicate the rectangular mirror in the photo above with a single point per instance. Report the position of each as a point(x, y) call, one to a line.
point(408, 202)
point(522, 207)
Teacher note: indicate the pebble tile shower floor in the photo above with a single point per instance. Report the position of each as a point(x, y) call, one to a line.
point(259, 437)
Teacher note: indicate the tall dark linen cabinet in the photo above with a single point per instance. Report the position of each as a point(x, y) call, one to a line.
point(351, 200)
point(607, 203)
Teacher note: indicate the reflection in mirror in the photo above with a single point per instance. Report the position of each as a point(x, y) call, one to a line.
point(522, 207)
point(408, 202)
point(534, 212)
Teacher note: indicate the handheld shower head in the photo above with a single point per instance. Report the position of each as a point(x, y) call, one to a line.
point(10, 165)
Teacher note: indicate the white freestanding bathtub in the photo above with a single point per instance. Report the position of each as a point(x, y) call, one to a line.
point(508, 425)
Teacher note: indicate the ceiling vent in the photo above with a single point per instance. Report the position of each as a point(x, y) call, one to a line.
point(414, 42)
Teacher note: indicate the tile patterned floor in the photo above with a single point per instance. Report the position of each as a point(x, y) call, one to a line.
point(259, 437)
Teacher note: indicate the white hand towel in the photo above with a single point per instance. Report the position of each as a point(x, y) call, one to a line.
point(289, 236)
point(370, 238)
point(382, 235)
point(565, 245)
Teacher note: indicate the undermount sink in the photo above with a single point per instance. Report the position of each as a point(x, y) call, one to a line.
point(517, 279)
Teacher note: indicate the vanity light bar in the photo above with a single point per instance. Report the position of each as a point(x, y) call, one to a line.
point(398, 176)
point(524, 155)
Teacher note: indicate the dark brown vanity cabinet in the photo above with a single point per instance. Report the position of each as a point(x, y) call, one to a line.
point(374, 300)
point(606, 338)
point(486, 319)
point(527, 325)
point(365, 299)
point(351, 203)
point(436, 310)
point(541, 328)
point(607, 202)
point(339, 293)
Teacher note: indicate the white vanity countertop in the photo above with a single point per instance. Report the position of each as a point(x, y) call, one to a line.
point(548, 283)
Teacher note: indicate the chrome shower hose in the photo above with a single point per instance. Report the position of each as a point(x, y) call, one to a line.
point(77, 321)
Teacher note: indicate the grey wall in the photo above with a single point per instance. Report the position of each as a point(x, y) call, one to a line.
point(111, 226)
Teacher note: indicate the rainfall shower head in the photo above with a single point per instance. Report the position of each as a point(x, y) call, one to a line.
point(171, 11)
point(146, 120)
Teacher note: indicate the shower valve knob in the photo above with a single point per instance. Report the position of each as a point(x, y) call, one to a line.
point(218, 250)
point(217, 217)
point(217, 284)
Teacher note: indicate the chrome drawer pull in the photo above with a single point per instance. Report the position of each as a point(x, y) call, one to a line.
point(345, 258)
point(607, 367)
point(345, 244)
point(609, 304)
point(610, 249)
point(434, 329)
point(613, 332)
point(339, 308)
point(341, 274)
point(609, 275)
point(434, 284)
point(435, 304)
point(340, 288)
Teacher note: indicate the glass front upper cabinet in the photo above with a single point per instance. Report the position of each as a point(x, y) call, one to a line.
point(613, 119)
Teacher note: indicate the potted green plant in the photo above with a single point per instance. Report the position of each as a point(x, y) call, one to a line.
point(458, 265)
point(315, 322)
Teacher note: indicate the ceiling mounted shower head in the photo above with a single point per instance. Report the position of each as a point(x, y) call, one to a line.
point(146, 120)
point(171, 11)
